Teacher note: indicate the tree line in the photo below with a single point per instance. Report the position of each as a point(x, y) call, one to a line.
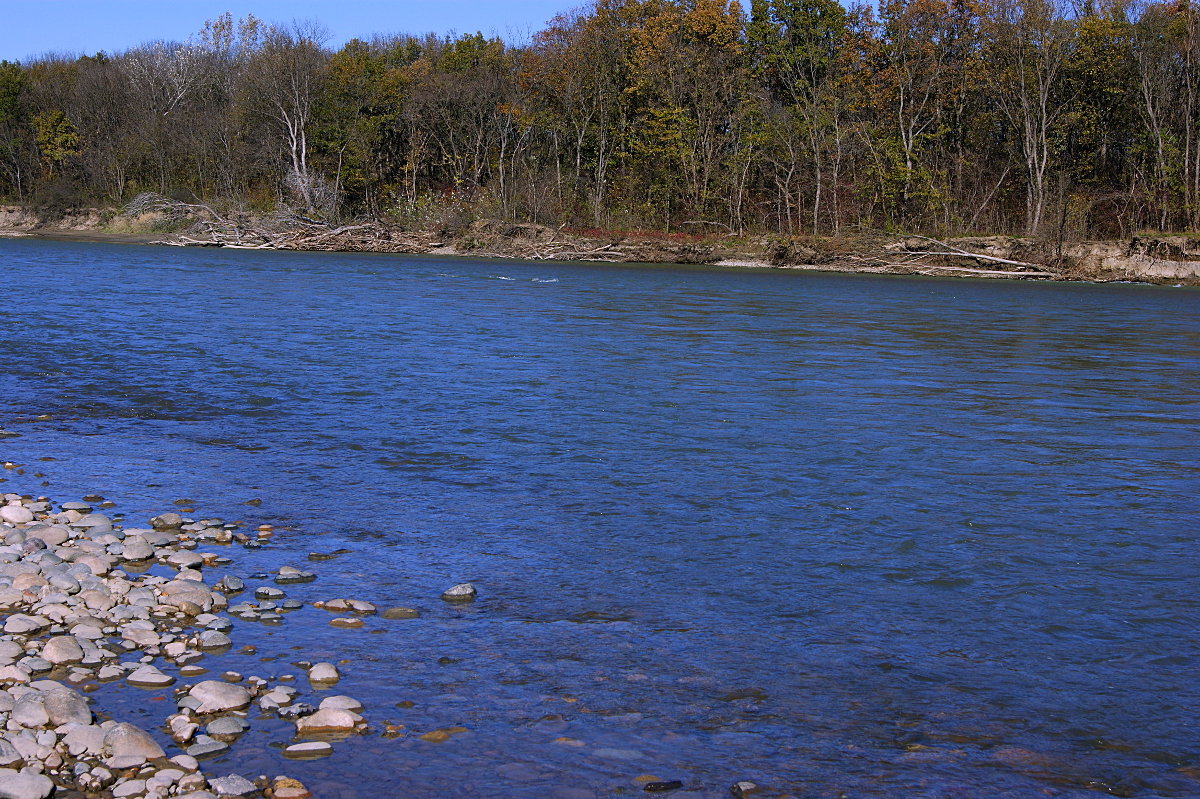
point(789, 116)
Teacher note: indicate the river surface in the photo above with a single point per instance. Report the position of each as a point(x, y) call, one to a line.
point(839, 535)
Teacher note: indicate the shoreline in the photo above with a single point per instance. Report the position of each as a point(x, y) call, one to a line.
point(1163, 260)
point(86, 601)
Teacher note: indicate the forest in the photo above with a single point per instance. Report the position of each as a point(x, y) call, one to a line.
point(798, 117)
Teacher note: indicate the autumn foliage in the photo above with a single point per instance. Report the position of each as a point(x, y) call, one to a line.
point(694, 117)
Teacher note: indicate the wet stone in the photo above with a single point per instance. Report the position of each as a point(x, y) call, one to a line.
point(213, 639)
point(290, 574)
point(205, 746)
point(327, 720)
point(323, 673)
point(463, 592)
point(297, 710)
point(400, 613)
point(342, 703)
point(662, 786)
point(308, 750)
point(226, 726)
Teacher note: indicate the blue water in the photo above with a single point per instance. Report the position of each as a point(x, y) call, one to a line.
point(838, 535)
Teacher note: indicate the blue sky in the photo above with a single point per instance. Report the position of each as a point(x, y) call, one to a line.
point(33, 27)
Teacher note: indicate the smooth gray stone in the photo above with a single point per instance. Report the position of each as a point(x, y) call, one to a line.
point(232, 785)
point(216, 696)
point(85, 739)
point(227, 725)
point(9, 756)
point(17, 785)
point(124, 740)
point(205, 746)
point(65, 706)
point(62, 649)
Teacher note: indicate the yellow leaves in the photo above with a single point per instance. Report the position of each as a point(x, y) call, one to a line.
point(56, 137)
point(716, 23)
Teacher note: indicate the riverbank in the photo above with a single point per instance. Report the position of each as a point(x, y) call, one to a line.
point(91, 608)
point(1160, 259)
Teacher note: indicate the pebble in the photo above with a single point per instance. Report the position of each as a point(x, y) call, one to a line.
point(444, 734)
point(661, 786)
point(16, 514)
point(213, 639)
point(108, 611)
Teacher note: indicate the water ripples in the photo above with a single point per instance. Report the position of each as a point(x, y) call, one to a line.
point(832, 533)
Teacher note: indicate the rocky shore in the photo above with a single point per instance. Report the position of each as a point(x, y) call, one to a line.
point(86, 602)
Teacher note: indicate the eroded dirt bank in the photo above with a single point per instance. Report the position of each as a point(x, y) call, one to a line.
point(1166, 259)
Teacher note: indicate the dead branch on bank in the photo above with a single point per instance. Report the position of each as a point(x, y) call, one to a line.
point(958, 252)
point(914, 258)
point(283, 231)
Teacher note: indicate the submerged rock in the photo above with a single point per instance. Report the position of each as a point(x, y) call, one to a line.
point(400, 613)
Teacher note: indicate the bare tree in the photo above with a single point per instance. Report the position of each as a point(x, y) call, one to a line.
point(286, 76)
point(1029, 43)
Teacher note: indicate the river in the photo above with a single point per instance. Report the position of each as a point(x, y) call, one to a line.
point(835, 534)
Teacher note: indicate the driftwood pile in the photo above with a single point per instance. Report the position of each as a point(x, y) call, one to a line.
point(281, 231)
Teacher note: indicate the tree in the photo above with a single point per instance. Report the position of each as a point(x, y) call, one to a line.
point(57, 139)
point(16, 144)
point(795, 46)
point(287, 75)
point(1029, 43)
